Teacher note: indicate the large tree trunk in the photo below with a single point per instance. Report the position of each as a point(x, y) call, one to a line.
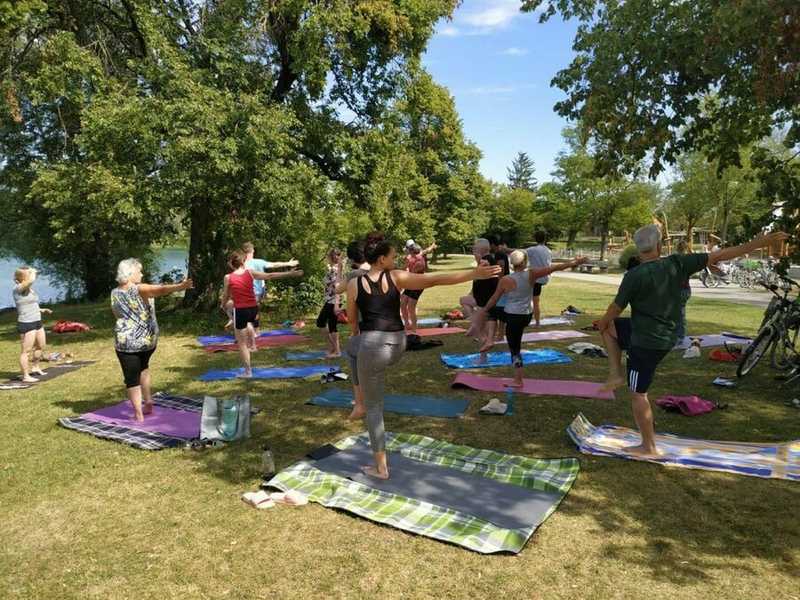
point(206, 257)
point(690, 236)
point(571, 235)
point(726, 221)
point(603, 242)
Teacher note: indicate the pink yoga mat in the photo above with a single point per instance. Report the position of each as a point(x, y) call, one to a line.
point(533, 387)
point(177, 423)
point(434, 331)
point(262, 342)
point(544, 336)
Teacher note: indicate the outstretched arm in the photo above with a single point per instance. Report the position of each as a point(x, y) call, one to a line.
point(506, 285)
point(280, 265)
point(421, 281)
point(282, 275)
point(534, 274)
point(147, 290)
point(762, 241)
point(429, 249)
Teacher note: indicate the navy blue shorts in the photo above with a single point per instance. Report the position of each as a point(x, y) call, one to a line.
point(642, 362)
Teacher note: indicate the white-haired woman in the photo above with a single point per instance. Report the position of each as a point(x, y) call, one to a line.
point(518, 288)
point(136, 330)
point(29, 323)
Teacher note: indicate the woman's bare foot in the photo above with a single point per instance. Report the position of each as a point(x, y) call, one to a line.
point(358, 412)
point(247, 374)
point(147, 408)
point(333, 355)
point(641, 450)
point(612, 383)
point(138, 415)
point(486, 347)
point(29, 379)
point(370, 471)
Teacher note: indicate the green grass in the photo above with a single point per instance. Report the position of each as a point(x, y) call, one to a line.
point(84, 518)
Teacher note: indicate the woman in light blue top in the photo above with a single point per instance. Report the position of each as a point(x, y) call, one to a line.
point(518, 289)
point(29, 323)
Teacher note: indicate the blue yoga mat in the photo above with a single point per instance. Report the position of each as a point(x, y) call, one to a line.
point(319, 355)
point(419, 406)
point(541, 356)
point(208, 340)
point(268, 372)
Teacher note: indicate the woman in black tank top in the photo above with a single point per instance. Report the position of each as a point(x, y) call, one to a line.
point(376, 296)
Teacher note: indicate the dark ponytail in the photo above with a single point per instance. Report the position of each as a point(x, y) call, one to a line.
point(376, 246)
point(236, 260)
point(355, 252)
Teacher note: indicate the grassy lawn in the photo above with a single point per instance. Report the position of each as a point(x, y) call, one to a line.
point(84, 518)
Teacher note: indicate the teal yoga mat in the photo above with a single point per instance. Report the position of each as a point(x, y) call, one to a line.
point(420, 406)
point(540, 356)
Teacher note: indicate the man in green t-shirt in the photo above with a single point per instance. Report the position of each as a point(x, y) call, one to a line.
point(653, 291)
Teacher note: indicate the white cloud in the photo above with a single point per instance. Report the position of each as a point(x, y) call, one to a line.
point(513, 51)
point(449, 31)
point(494, 14)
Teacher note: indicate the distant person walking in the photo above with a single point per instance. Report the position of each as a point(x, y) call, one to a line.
point(136, 330)
point(329, 315)
point(29, 323)
point(539, 257)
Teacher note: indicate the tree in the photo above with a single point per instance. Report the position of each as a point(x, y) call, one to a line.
point(654, 79)
point(512, 214)
point(227, 116)
point(520, 173)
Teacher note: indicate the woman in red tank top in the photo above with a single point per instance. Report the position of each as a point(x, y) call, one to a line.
point(238, 287)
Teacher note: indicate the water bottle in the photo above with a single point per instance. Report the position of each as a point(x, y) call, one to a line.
point(230, 419)
point(267, 463)
point(509, 401)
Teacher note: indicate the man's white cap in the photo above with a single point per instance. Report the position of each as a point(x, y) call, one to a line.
point(410, 243)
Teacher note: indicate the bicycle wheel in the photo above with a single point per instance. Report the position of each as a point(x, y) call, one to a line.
point(755, 351)
point(783, 354)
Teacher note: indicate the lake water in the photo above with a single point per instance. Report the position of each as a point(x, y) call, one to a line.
point(168, 259)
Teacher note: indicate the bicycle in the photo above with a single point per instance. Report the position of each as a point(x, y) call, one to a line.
point(778, 331)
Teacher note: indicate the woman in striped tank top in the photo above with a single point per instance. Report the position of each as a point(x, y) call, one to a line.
point(238, 286)
point(518, 289)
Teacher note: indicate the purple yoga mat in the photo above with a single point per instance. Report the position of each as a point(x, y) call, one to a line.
point(176, 423)
point(544, 336)
point(533, 387)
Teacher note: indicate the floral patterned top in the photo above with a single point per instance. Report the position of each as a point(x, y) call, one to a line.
point(136, 329)
point(330, 281)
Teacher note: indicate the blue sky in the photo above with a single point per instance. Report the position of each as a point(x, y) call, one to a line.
point(498, 64)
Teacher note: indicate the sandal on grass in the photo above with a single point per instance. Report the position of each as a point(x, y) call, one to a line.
point(291, 498)
point(260, 500)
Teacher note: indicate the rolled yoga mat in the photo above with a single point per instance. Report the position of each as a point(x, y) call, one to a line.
point(547, 321)
point(268, 372)
point(418, 406)
point(429, 322)
point(533, 387)
point(318, 355)
point(546, 336)
point(432, 331)
point(774, 461)
point(262, 342)
point(540, 356)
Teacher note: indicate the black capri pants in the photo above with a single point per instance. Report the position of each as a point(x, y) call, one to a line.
point(515, 327)
point(133, 363)
point(327, 318)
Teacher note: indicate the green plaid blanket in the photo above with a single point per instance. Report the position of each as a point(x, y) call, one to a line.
point(430, 520)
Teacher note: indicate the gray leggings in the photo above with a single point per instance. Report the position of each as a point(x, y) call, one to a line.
point(377, 350)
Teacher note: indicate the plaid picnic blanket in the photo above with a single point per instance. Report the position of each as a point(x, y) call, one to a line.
point(430, 520)
point(145, 440)
point(772, 461)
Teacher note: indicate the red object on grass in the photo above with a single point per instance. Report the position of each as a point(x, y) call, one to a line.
point(70, 327)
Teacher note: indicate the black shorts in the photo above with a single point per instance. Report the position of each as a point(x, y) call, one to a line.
point(243, 316)
point(642, 362)
point(26, 327)
point(497, 313)
point(327, 318)
point(537, 289)
point(415, 294)
point(133, 363)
